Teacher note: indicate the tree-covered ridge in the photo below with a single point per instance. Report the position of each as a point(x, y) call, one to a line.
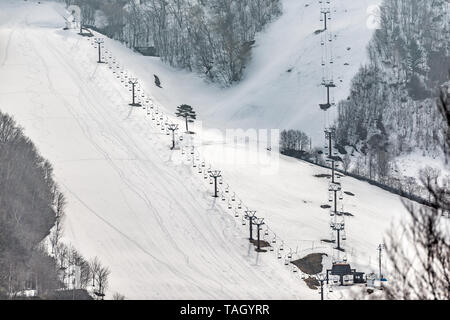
point(391, 107)
point(32, 255)
point(211, 37)
point(27, 195)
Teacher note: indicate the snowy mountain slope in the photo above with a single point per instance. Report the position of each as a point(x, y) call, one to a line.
point(136, 205)
point(269, 96)
point(159, 233)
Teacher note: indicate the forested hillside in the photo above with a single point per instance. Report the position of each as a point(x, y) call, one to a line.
point(31, 211)
point(391, 107)
point(211, 37)
point(27, 193)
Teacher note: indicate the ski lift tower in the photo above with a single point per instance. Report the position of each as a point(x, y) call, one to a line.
point(321, 278)
point(338, 227)
point(173, 127)
point(250, 216)
point(325, 11)
point(334, 188)
point(259, 222)
point(215, 175)
point(99, 42)
point(133, 82)
point(328, 84)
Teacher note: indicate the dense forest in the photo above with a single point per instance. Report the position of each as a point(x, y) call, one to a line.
point(391, 107)
point(32, 255)
point(211, 37)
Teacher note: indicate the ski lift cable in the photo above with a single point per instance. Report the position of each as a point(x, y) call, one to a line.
point(241, 203)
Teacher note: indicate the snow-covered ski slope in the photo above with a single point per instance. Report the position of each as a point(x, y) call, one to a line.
point(282, 83)
point(133, 203)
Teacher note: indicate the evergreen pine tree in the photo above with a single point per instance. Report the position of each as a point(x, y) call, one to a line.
point(185, 111)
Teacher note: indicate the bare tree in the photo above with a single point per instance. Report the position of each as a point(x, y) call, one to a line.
point(420, 251)
point(102, 281)
point(94, 267)
point(346, 161)
point(118, 296)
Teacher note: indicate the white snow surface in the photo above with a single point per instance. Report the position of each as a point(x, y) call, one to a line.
point(144, 210)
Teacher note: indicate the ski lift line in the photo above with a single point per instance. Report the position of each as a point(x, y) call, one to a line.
point(234, 197)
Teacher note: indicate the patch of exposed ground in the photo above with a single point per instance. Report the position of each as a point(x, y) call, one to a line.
point(311, 264)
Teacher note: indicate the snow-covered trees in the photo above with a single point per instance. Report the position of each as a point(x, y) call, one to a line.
point(210, 37)
point(419, 252)
point(32, 211)
point(27, 195)
point(293, 142)
point(391, 107)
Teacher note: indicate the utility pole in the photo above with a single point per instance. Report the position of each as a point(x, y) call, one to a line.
point(380, 249)
point(99, 42)
point(215, 174)
point(133, 82)
point(250, 216)
point(259, 222)
point(173, 127)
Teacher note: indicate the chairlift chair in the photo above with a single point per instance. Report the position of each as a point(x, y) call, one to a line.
point(289, 255)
